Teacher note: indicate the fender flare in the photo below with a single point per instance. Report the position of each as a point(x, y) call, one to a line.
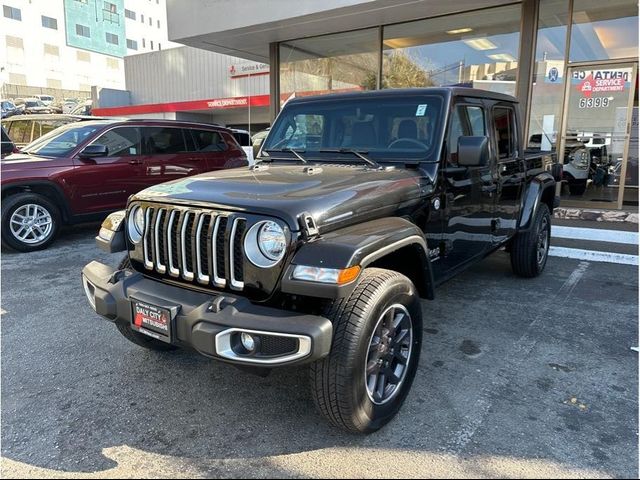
point(541, 189)
point(361, 244)
point(61, 199)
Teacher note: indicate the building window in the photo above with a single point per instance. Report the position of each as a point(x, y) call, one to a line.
point(17, 78)
point(112, 38)
point(159, 46)
point(113, 63)
point(54, 83)
point(142, 18)
point(150, 21)
point(477, 49)
point(51, 50)
point(144, 43)
point(158, 23)
point(547, 91)
point(82, 56)
point(15, 50)
point(130, 14)
point(110, 13)
point(151, 44)
point(604, 30)
point(12, 13)
point(83, 31)
point(343, 61)
point(132, 44)
point(48, 22)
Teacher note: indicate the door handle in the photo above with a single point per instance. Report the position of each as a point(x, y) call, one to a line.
point(135, 162)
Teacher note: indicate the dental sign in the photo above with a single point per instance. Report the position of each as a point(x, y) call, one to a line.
point(601, 82)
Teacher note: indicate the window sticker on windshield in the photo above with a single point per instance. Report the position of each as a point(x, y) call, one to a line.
point(421, 110)
point(133, 151)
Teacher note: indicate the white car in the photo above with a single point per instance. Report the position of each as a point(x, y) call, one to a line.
point(46, 99)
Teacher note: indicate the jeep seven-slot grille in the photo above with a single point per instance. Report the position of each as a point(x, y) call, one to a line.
point(195, 246)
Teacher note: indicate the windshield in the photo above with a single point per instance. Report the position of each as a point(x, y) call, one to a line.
point(386, 128)
point(61, 141)
point(34, 103)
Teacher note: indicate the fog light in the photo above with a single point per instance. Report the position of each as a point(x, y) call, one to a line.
point(90, 291)
point(248, 342)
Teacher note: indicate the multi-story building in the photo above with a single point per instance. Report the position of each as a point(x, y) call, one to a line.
point(73, 45)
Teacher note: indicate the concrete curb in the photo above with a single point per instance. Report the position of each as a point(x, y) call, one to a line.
point(596, 215)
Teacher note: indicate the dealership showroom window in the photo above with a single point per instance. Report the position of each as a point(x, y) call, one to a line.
point(583, 97)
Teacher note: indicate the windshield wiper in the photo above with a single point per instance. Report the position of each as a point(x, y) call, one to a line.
point(289, 150)
point(357, 153)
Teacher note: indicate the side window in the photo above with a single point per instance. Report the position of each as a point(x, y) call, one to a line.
point(20, 131)
point(467, 120)
point(163, 140)
point(505, 132)
point(48, 126)
point(242, 138)
point(208, 141)
point(121, 142)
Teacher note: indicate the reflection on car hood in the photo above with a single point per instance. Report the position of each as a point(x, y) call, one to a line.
point(333, 194)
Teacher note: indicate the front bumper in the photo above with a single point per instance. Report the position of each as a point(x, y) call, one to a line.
point(207, 322)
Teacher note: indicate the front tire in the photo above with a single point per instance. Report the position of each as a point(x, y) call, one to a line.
point(29, 222)
point(138, 338)
point(530, 249)
point(363, 382)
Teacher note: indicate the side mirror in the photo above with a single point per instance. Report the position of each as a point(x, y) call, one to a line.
point(473, 151)
point(95, 150)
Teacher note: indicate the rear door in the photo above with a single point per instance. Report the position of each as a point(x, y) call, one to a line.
point(168, 154)
point(510, 170)
point(105, 183)
point(470, 191)
point(211, 148)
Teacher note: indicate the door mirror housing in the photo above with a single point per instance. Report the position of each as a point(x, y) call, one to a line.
point(473, 151)
point(95, 150)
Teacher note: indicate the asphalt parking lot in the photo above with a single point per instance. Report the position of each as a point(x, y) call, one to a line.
point(518, 378)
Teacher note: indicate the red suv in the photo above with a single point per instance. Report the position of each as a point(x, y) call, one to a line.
point(82, 171)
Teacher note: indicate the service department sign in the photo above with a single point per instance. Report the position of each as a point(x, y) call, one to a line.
point(246, 69)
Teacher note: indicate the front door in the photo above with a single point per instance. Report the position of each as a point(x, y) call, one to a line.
point(105, 183)
point(470, 196)
point(595, 134)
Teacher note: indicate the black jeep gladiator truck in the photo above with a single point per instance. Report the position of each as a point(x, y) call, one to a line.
point(359, 205)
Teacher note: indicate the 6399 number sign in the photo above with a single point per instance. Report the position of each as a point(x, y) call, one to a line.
point(597, 102)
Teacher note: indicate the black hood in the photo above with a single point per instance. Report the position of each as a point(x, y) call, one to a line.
point(333, 194)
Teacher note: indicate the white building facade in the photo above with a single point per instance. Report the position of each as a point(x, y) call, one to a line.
point(53, 46)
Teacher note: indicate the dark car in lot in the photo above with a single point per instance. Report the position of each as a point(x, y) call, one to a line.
point(360, 205)
point(84, 170)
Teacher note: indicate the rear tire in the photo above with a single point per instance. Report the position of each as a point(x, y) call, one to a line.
point(29, 222)
point(530, 249)
point(138, 338)
point(349, 386)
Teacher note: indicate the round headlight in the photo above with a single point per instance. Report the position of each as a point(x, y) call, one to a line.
point(272, 241)
point(265, 244)
point(135, 224)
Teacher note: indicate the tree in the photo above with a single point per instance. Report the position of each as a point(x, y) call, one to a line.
point(400, 71)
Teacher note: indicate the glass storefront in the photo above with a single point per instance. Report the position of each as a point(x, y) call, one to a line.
point(476, 49)
point(582, 98)
point(330, 63)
